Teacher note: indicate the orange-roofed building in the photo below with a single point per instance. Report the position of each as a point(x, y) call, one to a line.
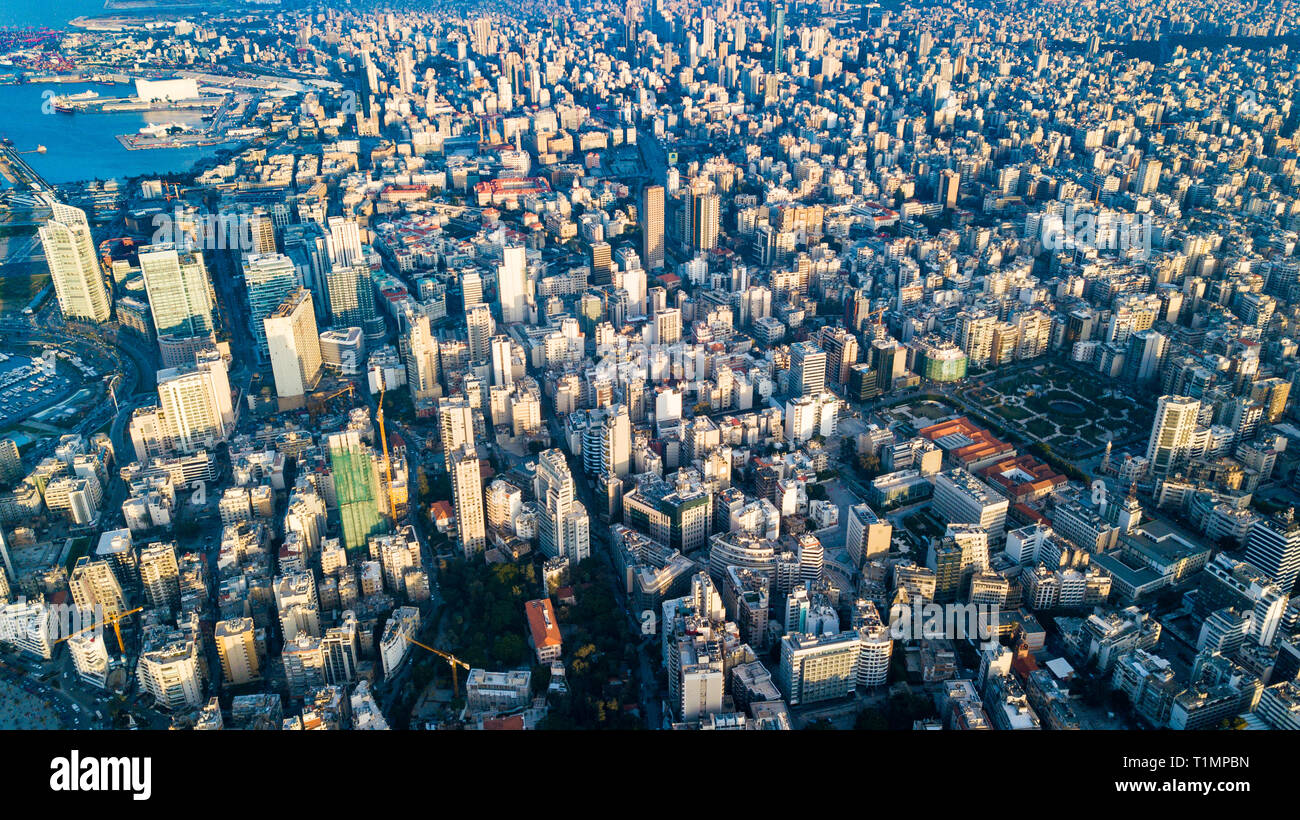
point(966, 445)
point(442, 514)
point(1025, 514)
point(543, 629)
point(1022, 478)
point(513, 723)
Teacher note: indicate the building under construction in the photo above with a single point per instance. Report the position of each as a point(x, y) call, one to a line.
point(356, 485)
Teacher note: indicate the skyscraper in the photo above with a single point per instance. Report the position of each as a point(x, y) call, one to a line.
point(356, 485)
point(467, 491)
point(180, 293)
point(885, 355)
point(352, 300)
point(1171, 433)
point(270, 278)
point(74, 270)
point(652, 231)
point(294, 347)
point(512, 284)
point(423, 364)
point(703, 215)
point(776, 22)
point(949, 187)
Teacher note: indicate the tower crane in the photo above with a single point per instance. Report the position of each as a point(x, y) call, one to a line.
point(452, 661)
point(317, 402)
point(383, 439)
point(115, 620)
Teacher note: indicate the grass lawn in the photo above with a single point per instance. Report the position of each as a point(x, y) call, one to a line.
point(1042, 428)
point(1012, 411)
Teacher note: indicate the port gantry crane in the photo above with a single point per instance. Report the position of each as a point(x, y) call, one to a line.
point(115, 620)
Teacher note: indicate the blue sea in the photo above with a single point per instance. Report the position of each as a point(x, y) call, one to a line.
point(81, 146)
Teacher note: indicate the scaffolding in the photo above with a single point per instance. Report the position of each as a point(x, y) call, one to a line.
point(356, 486)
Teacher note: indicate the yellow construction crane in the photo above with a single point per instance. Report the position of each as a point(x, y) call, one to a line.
point(383, 439)
point(452, 661)
point(317, 401)
point(115, 620)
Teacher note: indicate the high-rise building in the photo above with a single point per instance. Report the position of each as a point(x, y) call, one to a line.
point(807, 369)
point(471, 290)
point(236, 641)
point(11, 462)
point(95, 587)
point(841, 353)
point(160, 576)
point(887, 360)
point(602, 263)
point(562, 525)
point(949, 186)
point(74, 268)
point(263, 230)
point(422, 358)
point(195, 403)
point(467, 491)
point(90, 658)
point(502, 361)
point(1172, 433)
point(480, 327)
point(512, 284)
point(822, 667)
point(1274, 547)
point(356, 485)
point(703, 215)
point(607, 445)
point(270, 278)
point(974, 335)
point(960, 497)
point(180, 293)
point(172, 672)
point(294, 347)
point(455, 425)
point(351, 294)
point(668, 326)
point(776, 22)
point(868, 535)
point(652, 231)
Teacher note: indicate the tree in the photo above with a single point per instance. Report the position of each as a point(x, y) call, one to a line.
point(868, 464)
point(871, 720)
